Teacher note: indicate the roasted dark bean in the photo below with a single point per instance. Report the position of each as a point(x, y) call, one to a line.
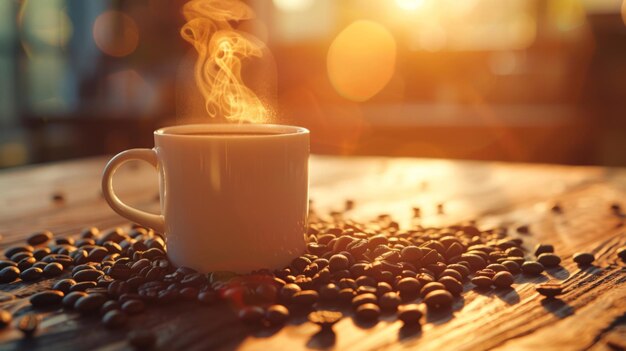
point(503, 279)
point(133, 306)
point(532, 268)
point(549, 259)
point(114, 319)
point(31, 274)
point(329, 292)
point(454, 286)
point(39, 238)
point(305, 298)
point(46, 298)
point(363, 298)
point(325, 319)
point(277, 314)
point(409, 286)
point(438, 299)
point(251, 314)
point(70, 299)
point(584, 258)
point(52, 269)
point(82, 286)
point(543, 248)
point(482, 282)
point(389, 301)
point(87, 275)
point(549, 290)
point(621, 253)
point(410, 314)
point(430, 287)
point(15, 249)
point(90, 303)
point(109, 306)
point(512, 267)
point(64, 285)
point(9, 274)
point(368, 311)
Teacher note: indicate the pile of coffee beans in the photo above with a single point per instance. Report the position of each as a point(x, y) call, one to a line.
point(350, 268)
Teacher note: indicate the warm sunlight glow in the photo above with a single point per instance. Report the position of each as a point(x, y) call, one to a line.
point(410, 4)
point(221, 52)
point(361, 60)
point(115, 33)
point(293, 5)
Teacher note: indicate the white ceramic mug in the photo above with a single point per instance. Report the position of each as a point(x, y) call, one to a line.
point(233, 197)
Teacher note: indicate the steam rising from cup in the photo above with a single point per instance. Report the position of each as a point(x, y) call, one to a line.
point(221, 50)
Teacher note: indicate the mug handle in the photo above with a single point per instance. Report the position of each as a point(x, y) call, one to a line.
point(154, 221)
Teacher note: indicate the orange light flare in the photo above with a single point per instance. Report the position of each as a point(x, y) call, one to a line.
point(221, 51)
point(361, 60)
point(115, 33)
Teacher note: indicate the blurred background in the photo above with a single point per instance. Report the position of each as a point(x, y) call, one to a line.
point(515, 80)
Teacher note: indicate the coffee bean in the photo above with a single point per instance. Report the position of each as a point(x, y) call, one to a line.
point(583, 258)
point(251, 314)
point(368, 312)
point(69, 301)
point(133, 306)
point(461, 269)
point(430, 287)
point(39, 238)
point(109, 306)
point(325, 319)
point(503, 279)
point(6, 263)
point(532, 268)
point(621, 253)
point(410, 314)
point(21, 256)
point(87, 275)
point(276, 314)
point(363, 298)
point(82, 286)
point(451, 273)
point(52, 269)
point(454, 286)
point(475, 261)
point(305, 298)
point(549, 259)
point(549, 290)
point(64, 285)
point(15, 249)
point(512, 267)
point(46, 298)
point(114, 319)
point(31, 274)
point(482, 282)
point(338, 262)
point(288, 290)
point(389, 301)
point(9, 274)
point(383, 288)
point(28, 324)
point(90, 303)
point(543, 248)
point(5, 318)
point(409, 286)
point(438, 299)
point(365, 290)
point(346, 295)
point(496, 267)
point(26, 263)
point(411, 254)
point(329, 292)
point(141, 339)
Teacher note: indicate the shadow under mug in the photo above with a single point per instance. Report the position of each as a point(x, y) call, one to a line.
point(233, 197)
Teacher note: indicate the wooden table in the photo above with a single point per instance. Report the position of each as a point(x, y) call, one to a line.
point(590, 316)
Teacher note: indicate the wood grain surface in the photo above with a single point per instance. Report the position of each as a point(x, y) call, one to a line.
point(591, 315)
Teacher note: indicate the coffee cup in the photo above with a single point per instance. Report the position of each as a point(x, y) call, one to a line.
point(234, 197)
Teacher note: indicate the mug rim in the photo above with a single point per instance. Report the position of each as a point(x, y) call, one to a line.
point(279, 130)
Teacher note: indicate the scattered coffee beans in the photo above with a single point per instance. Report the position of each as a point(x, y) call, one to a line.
point(549, 290)
point(532, 268)
point(368, 311)
point(46, 298)
point(438, 299)
point(410, 314)
point(28, 323)
point(583, 258)
point(277, 314)
point(325, 319)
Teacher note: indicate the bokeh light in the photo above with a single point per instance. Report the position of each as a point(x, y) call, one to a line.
point(293, 5)
point(45, 22)
point(115, 33)
point(361, 60)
